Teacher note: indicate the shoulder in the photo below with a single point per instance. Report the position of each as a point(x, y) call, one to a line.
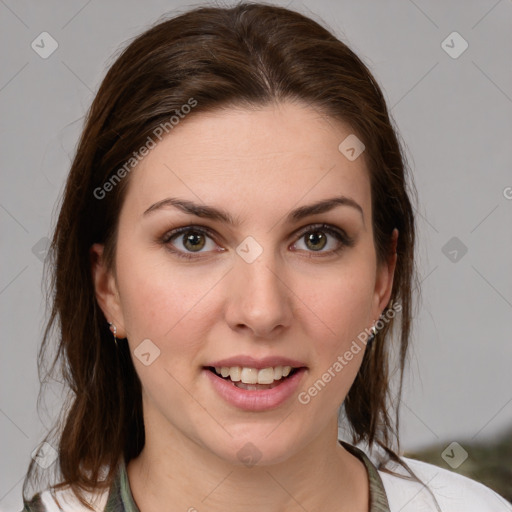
point(64, 500)
point(452, 491)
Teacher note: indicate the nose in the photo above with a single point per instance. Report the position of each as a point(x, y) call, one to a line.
point(259, 299)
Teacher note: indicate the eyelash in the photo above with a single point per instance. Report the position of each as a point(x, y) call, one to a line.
point(340, 235)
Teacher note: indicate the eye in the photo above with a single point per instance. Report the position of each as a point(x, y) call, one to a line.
point(189, 240)
point(316, 238)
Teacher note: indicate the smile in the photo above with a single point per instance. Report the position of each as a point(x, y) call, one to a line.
point(255, 389)
point(253, 378)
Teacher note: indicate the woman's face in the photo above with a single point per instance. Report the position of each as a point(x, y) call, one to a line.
point(269, 288)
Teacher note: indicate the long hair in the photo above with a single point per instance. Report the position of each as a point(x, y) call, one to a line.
point(248, 55)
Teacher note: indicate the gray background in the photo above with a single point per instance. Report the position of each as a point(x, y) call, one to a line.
point(455, 118)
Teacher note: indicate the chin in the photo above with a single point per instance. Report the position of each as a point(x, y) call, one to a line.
point(256, 447)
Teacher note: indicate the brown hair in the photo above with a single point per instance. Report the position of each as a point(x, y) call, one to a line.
point(248, 55)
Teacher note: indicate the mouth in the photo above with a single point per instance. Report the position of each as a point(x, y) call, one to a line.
point(255, 385)
point(254, 379)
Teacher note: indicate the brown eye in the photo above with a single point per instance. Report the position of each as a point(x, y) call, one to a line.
point(186, 241)
point(193, 241)
point(316, 240)
point(317, 237)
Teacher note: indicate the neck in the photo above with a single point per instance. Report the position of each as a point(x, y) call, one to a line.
point(321, 476)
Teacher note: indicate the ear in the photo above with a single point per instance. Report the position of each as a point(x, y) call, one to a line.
point(384, 279)
point(105, 287)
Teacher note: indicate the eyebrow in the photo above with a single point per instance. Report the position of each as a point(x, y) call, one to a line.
point(210, 212)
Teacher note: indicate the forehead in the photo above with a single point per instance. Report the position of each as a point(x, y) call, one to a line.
point(276, 156)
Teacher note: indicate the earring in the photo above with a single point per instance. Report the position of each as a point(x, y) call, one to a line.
point(113, 328)
point(373, 331)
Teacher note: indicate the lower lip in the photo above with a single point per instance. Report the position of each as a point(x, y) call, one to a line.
point(256, 400)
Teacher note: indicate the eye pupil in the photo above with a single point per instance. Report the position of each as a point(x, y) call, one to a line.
point(195, 239)
point(316, 237)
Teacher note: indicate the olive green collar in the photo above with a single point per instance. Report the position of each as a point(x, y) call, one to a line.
point(378, 499)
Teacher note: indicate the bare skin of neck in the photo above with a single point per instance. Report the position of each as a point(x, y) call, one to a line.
point(323, 477)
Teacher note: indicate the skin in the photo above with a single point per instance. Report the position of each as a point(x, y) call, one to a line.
point(292, 301)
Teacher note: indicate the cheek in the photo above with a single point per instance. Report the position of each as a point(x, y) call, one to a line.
point(341, 313)
point(339, 309)
point(163, 305)
point(161, 300)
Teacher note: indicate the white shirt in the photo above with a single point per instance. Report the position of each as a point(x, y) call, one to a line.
point(453, 492)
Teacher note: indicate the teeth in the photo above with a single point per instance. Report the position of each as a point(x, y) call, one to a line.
point(235, 373)
point(253, 375)
point(249, 376)
point(266, 376)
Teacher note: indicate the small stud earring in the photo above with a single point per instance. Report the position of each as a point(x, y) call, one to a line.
point(113, 328)
point(373, 331)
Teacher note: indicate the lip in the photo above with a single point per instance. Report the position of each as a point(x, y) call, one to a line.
point(254, 400)
point(252, 362)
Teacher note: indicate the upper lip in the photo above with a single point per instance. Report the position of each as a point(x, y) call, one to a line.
point(252, 362)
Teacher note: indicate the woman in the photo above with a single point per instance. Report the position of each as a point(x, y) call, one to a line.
point(234, 248)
